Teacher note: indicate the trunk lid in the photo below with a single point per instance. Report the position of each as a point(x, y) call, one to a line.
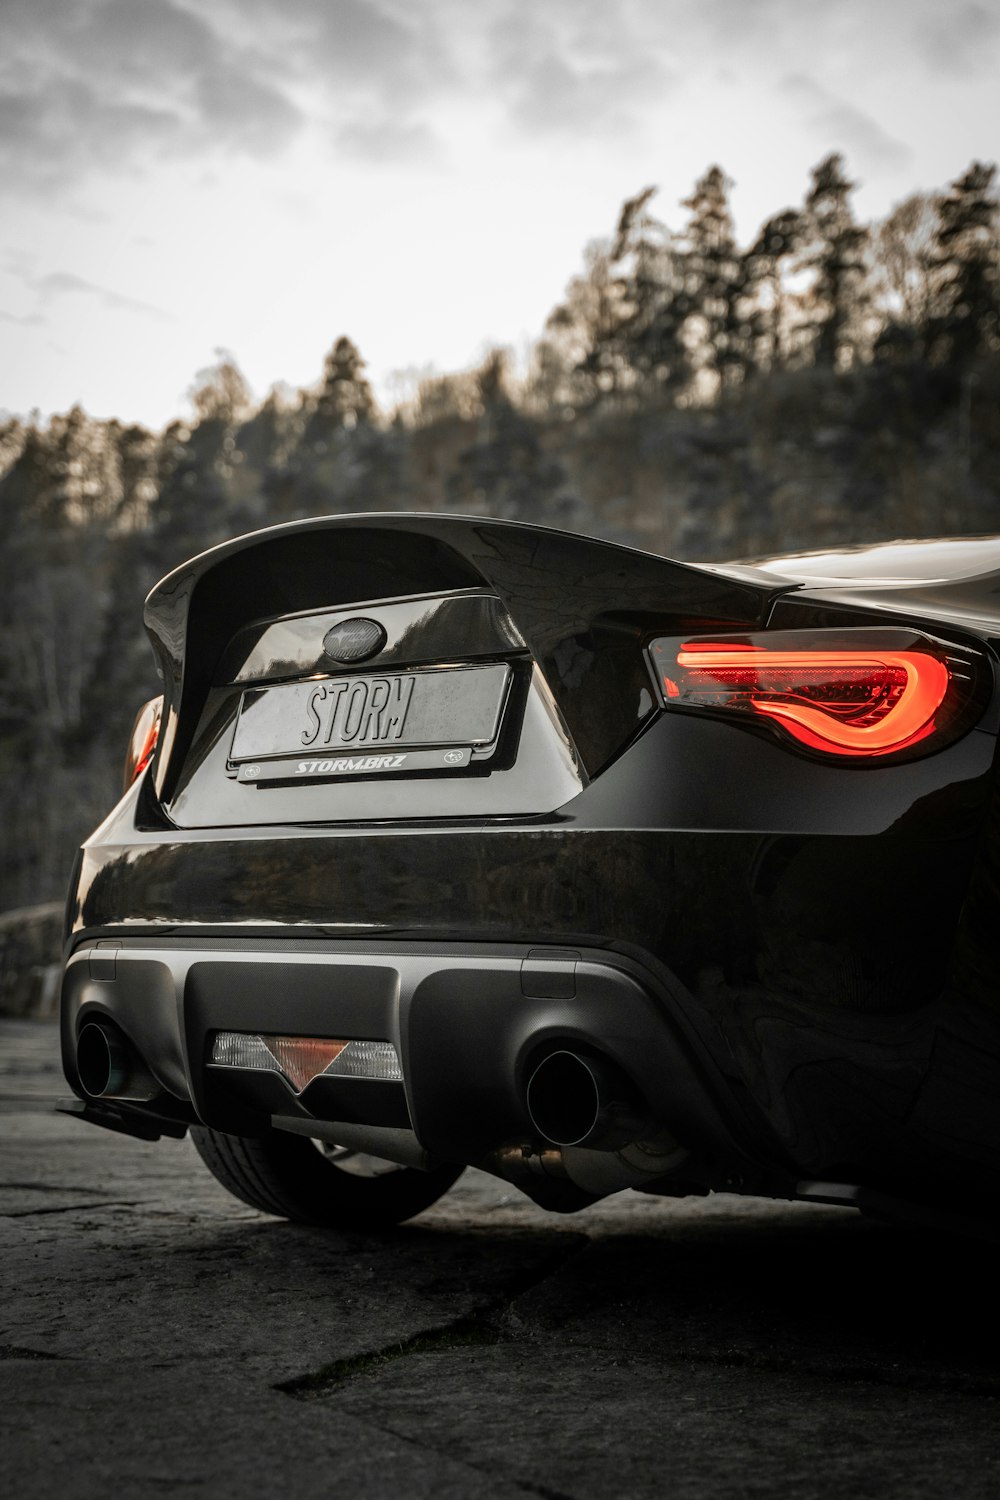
point(519, 652)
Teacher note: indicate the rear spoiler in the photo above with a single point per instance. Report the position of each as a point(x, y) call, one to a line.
point(582, 606)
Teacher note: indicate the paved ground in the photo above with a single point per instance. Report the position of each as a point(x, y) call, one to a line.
point(157, 1338)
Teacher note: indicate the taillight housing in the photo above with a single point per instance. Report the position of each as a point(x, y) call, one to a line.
point(854, 694)
point(142, 742)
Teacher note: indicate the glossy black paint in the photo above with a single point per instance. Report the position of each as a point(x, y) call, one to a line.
point(416, 631)
point(581, 607)
point(820, 938)
point(532, 768)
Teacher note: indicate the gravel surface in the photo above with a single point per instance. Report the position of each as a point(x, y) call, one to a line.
point(156, 1337)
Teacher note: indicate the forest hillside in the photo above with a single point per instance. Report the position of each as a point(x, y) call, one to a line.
point(829, 382)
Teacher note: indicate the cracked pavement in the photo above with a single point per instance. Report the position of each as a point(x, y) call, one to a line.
point(158, 1337)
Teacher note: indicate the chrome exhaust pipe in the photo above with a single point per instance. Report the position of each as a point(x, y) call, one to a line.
point(584, 1099)
point(110, 1068)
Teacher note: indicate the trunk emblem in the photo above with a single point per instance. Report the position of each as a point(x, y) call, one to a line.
point(354, 640)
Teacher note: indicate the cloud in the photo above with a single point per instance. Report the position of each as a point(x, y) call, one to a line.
point(119, 86)
point(66, 283)
point(961, 39)
point(243, 111)
point(847, 43)
point(117, 83)
point(50, 135)
point(347, 49)
point(26, 320)
point(151, 39)
point(553, 97)
point(50, 287)
point(863, 137)
point(574, 70)
point(390, 142)
point(839, 125)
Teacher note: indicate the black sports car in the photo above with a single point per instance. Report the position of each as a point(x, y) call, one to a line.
point(458, 841)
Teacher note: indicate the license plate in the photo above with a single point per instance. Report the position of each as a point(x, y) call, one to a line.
point(394, 713)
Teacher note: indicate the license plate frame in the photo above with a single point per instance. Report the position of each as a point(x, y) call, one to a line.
point(391, 720)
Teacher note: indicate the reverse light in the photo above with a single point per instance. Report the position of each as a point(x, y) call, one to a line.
point(142, 741)
point(300, 1059)
point(858, 693)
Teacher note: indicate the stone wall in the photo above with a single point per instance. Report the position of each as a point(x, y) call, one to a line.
point(30, 960)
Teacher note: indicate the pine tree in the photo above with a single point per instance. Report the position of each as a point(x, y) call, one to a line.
point(220, 392)
point(584, 332)
point(191, 511)
point(768, 262)
point(135, 448)
point(716, 283)
point(655, 300)
point(345, 399)
point(901, 276)
point(506, 473)
point(964, 261)
point(835, 253)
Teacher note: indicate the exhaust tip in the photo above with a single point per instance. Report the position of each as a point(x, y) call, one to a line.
point(108, 1066)
point(583, 1099)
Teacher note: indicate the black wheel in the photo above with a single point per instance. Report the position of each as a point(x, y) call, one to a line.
point(314, 1183)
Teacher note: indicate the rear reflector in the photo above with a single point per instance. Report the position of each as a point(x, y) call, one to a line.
point(142, 742)
point(844, 693)
point(300, 1059)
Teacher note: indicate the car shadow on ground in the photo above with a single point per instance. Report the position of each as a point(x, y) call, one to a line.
point(754, 1353)
point(821, 1292)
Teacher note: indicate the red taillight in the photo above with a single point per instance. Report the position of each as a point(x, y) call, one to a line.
point(859, 693)
point(142, 743)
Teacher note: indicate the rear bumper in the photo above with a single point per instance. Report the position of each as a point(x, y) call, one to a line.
point(798, 963)
point(467, 1022)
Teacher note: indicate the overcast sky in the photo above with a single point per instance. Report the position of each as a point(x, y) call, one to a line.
point(260, 176)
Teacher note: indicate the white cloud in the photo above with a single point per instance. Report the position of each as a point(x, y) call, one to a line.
point(111, 84)
point(390, 142)
point(961, 38)
point(420, 174)
point(839, 126)
point(62, 283)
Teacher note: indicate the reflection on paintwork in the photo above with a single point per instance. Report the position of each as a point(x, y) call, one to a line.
point(822, 938)
point(417, 631)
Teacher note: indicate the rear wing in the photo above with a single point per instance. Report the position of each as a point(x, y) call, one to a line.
point(583, 607)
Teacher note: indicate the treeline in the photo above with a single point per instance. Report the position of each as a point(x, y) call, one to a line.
point(829, 382)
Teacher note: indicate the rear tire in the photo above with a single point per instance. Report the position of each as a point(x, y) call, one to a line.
point(287, 1175)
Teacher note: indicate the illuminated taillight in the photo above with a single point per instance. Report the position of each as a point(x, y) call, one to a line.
point(142, 743)
point(858, 693)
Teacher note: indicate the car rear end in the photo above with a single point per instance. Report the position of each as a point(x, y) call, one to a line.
point(470, 842)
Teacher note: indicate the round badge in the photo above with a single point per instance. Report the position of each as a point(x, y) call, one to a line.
point(354, 640)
